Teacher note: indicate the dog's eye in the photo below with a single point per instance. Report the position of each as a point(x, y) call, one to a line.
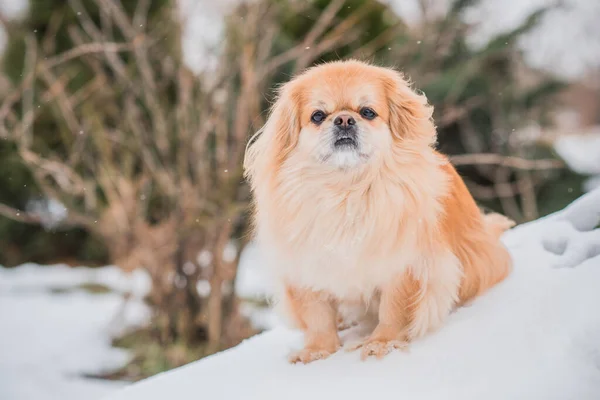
point(368, 113)
point(318, 116)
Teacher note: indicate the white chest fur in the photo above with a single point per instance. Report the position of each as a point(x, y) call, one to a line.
point(349, 234)
point(348, 243)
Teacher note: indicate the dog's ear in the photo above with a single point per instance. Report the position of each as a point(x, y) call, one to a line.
point(410, 113)
point(270, 146)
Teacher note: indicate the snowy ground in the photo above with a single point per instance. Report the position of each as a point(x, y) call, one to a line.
point(53, 331)
point(535, 336)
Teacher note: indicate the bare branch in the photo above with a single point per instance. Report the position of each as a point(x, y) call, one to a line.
point(141, 13)
point(27, 99)
point(324, 21)
point(48, 44)
point(88, 48)
point(90, 28)
point(453, 114)
point(508, 202)
point(342, 34)
point(19, 215)
point(528, 196)
point(120, 16)
point(149, 85)
point(305, 52)
point(505, 161)
point(11, 99)
point(87, 91)
point(369, 49)
point(65, 177)
point(72, 219)
point(56, 89)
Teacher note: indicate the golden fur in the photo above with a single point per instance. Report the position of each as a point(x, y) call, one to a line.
point(388, 225)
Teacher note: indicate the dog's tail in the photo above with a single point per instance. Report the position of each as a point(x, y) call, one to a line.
point(497, 224)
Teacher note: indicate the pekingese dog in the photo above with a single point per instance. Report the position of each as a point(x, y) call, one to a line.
point(355, 208)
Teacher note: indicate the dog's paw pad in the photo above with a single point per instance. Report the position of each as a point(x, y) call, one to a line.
point(377, 348)
point(380, 349)
point(305, 356)
point(353, 346)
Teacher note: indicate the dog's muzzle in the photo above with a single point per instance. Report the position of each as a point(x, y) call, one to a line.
point(345, 137)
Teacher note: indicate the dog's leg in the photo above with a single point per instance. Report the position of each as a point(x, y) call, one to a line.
point(390, 332)
point(434, 295)
point(413, 304)
point(316, 314)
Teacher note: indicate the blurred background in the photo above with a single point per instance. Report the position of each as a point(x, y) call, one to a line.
point(123, 212)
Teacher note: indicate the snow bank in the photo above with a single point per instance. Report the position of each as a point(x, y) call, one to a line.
point(34, 277)
point(52, 332)
point(535, 336)
point(581, 152)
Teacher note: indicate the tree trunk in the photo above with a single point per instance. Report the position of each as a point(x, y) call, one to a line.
point(215, 312)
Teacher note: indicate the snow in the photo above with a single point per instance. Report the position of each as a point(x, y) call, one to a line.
point(252, 280)
point(51, 211)
point(581, 152)
point(591, 183)
point(61, 277)
point(568, 52)
point(53, 332)
point(13, 9)
point(253, 287)
point(535, 336)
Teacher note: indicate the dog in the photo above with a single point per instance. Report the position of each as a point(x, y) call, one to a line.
point(356, 208)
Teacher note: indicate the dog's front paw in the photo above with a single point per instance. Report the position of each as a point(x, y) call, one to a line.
point(377, 347)
point(309, 355)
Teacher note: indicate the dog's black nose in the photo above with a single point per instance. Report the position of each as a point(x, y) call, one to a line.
point(344, 121)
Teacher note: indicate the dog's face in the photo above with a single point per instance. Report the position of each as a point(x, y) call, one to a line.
point(342, 116)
